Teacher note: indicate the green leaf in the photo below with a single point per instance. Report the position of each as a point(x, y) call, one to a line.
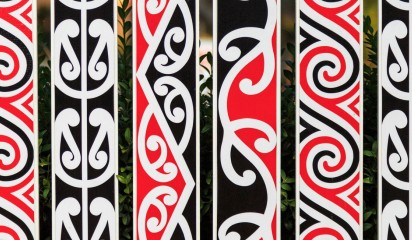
point(284, 133)
point(366, 226)
point(46, 192)
point(121, 12)
point(206, 128)
point(286, 187)
point(290, 180)
point(367, 215)
point(122, 198)
point(283, 207)
point(127, 26)
point(368, 180)
point(209, 179)
point(128, 135)
point(124, 220)
point(282, 174)
point(375, 147)
point(209, 58)
point(122, 179)
point(368, 153)
point(125, 4)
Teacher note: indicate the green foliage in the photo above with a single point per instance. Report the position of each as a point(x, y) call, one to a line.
point(370, 144)
point(206, 146)
point(44, 119)
point(288, 141)
point(125, 104)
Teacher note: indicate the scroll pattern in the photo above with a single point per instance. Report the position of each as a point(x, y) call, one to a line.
point(329, 120)
point(394, 123)
point(165, 119)
point(84, 123)
point(17, 136)
point(247, 140)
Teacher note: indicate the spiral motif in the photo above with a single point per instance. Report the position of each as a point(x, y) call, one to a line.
point(17, 159)
point(329, 119)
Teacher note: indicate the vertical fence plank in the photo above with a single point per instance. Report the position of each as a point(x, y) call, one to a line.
point(166, 148)
point(18, 120)
point(394, 114)
point(84, 113)
point(329, 119)
point(246, 105)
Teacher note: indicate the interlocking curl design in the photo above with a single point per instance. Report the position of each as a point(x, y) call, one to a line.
point(17, 136)
point(329, 119)
point(165, 98)
point(247, 163)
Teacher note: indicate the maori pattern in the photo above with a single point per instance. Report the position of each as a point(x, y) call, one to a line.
point(84, 93)
point(247, 100)
point(17, 120)
point(395, 170)
point(329, 187)
point(165, 137)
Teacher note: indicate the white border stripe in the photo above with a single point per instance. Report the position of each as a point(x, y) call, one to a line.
point(278, 119)
point(215, 116)
point(36, 122)
point(379, 180)
point(134, 85)
point(53, 140)
point(361, 119)
point(297, 122)
point(116, 121)
point(197, 123)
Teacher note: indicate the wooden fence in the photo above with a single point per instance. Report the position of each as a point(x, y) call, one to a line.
point(246, 100)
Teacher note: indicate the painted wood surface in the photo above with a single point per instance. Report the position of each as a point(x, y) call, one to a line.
point(165, 85)
point(246, 100)
point(18, 120)
point(84, 118)
point(329, 193)
point(394, 114)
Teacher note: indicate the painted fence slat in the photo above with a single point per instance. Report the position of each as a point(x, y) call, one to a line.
point(18, 120)
point(84, 119)
point(166, 135)
point(246, 113)
point(329, 192)
point(394, 114)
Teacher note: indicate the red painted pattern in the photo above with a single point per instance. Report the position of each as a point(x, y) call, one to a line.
point(17, 175)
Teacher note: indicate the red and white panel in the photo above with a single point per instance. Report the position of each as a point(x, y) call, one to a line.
point(247, 120)
point(18, 124)
point(329, 105)
point(165, 87)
